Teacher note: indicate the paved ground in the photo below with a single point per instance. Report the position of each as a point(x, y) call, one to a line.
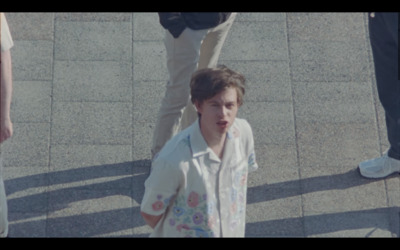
point(87, 88)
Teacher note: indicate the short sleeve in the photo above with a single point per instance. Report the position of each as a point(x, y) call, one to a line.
point(6, 39)
point(160, 187)
point(249, 145)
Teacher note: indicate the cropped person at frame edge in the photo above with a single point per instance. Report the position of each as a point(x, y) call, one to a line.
point(193, 40)
point(384, 38)
point(6, 128)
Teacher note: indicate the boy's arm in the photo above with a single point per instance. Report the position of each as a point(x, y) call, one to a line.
point(151, 220)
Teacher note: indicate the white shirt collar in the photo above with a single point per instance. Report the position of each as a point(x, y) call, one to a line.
point(199, 145)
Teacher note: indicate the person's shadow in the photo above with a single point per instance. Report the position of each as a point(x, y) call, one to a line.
point(386, 218)
point(62, 188)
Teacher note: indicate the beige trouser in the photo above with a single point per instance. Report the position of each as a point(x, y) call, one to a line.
point(192, 50)
point(3, 205)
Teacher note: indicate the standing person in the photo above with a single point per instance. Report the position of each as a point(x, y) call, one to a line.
point(193, 40)
point(198, 184)
point(6, 128)
point(384, 36)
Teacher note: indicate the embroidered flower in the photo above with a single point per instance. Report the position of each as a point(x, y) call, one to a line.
point(172, 222)
point(157, 206)
point(198, 218)
point(233, 195)
point(178, 211)
point(210, 207)
point(182, 226)
point(243, 180)
point(211, 221)
point(233, 208)
point(193, 199)
point(201, 232)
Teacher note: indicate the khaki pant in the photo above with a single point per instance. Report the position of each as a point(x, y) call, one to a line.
point(3, 205)
point(192, 50)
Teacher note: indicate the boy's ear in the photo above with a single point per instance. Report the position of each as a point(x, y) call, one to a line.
point(198, 105)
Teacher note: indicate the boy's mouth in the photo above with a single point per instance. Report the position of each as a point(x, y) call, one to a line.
point(222, 124)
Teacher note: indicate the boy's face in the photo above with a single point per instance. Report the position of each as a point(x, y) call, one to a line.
point(219, 112)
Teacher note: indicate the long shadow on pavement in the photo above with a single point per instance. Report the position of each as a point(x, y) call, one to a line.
point(62, 188)
point(127, 180)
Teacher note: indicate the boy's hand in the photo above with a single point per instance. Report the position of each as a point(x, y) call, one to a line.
point(6, 130)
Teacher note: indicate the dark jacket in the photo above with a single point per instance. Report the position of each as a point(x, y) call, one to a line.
point(176, 22)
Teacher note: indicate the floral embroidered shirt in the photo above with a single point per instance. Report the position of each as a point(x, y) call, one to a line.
point(199, 194)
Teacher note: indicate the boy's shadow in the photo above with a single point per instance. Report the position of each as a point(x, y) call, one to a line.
point(62, 188)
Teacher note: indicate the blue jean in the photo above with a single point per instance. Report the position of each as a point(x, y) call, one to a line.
point(384, 38)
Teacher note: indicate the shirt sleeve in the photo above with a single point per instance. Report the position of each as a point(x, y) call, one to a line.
point(6, 39)
point(249, 144)
point(160, 187)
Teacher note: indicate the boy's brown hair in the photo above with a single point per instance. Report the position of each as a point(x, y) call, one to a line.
point(208, 82)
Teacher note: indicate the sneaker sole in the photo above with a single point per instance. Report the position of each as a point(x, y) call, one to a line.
point(374, 176)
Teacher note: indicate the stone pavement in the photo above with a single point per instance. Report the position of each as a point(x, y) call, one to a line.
point(87, 87)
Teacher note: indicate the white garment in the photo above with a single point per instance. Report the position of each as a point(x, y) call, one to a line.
point(6, 39)
point(200, 195)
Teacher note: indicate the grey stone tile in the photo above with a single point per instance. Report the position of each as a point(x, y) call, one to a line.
point(393, 189)
point(266, 81)
point(327, 26)
point(92, 123)
point(92, 81)
point(147, 27)
point(29, 145)
point(108, 167)
point(352, 224)
point(32, 60)
point(107, 157)
point(333, 144)
point(149, 61)
point(329, 61)
point(26, 189)
point(256, 41)
point(31, 101)
point(260, 16)
point(142, 140)
point(272, 122)
point(31, 25)
point(93, 40)
point(27, 225)
point(334, 189)
point(333, 102)
point(277, 167)
point(147, 99)
point(88, 213)
point(277, 218)
point(94, 16)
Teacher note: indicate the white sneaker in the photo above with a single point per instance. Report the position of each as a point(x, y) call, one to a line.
point(379, 167)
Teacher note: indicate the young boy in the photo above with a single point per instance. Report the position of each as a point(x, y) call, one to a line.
point(198, 183)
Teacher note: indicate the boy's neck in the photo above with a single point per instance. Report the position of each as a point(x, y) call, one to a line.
point(215, 141)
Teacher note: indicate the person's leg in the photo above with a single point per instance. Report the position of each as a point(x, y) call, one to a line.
point(384, 43)
point(209, 55)
point(383, 28)
point(182, 59)
point(3, 206)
